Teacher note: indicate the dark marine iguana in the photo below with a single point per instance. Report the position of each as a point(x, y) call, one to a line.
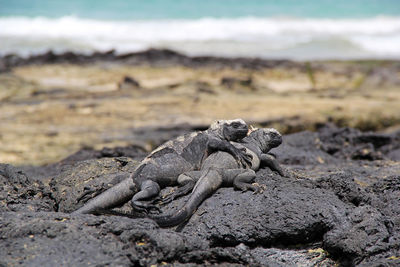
point(163, 166)
point(221, 169)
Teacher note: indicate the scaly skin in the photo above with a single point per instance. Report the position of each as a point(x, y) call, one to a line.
point(221, 169)
point(163, 166)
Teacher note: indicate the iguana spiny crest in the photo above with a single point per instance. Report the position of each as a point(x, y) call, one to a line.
point(230, 130)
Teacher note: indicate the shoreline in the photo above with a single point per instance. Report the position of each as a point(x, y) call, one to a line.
point(147, 57)
point(155, 56)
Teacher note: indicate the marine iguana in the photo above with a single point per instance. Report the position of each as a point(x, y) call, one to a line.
point(221, 169)
point(163, 166)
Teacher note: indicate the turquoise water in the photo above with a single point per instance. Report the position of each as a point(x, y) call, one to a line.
point(293, 29)
point(195, 9)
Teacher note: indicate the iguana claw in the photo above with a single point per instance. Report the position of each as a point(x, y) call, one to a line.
point(243, 158)
point(139, 206)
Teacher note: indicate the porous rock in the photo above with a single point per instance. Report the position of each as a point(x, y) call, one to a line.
point(287, 212)
point(83, 180)
point(334, 207)
point(20, 193)
point(59, 239)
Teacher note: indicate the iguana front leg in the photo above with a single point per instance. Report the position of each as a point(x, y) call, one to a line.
point(271, 162)
point(240, 155)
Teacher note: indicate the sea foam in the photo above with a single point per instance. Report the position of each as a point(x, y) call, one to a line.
point(295, 38)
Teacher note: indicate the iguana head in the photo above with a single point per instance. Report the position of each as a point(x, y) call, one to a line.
point(230, 130)
point(266, 138)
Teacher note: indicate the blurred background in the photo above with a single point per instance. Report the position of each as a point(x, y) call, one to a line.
point(94, 74)
point(291, 29)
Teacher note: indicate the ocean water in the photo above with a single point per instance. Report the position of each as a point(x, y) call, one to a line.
point(293, 29)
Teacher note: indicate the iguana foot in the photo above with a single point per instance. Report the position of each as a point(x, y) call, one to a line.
point(141, 207)
point(253, 187)
point(243, 158)
point(167, 199)
point(181, 191)
point(260, 188)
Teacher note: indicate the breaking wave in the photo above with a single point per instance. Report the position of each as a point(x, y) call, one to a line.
point(294, 38)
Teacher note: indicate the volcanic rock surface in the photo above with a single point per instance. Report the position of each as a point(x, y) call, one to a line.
point(340, 205)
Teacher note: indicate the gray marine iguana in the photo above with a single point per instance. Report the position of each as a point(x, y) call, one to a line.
point(163, 166)
point(221, 169)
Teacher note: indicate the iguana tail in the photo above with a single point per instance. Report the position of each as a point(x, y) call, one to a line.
point(208, 183)
point(111, 198)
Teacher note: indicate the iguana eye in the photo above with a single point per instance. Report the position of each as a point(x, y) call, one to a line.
point(235, 125)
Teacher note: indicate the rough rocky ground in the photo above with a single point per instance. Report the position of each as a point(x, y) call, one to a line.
point(54, 105)
point(341, 205)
